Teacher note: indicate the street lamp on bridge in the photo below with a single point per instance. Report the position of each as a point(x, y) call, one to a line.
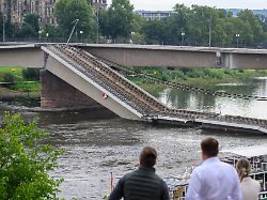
point(183, 35)
point(237, 35)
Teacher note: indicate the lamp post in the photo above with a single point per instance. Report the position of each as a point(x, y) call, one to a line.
point(40, 34)
point(47, 35)
point(4, 27)
point(81, 33)
point(132, 37)
point(237, 35)
point(210, 31)
point(183, 35)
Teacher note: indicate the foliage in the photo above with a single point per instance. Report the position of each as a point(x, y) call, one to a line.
point(52, 32)
point(67, 11)
point(31, 74)
point(24, 161)
point(206, 76)
point(117, 21)
point(10, 74)
point(27, 86)
point(9, 77)
point(30, 26)
point(197, 21)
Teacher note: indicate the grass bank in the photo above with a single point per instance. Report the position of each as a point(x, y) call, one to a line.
point(204, 77)
point(17, 81)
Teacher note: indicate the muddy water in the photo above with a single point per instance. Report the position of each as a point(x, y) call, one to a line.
point(95, 147)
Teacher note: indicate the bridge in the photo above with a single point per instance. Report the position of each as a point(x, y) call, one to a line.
point(31, 55)
point(71, 76)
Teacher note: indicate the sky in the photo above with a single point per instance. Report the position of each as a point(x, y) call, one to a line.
point(168, 4)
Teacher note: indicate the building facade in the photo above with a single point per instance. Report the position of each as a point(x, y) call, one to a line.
point(16, 9)
point(154, 15)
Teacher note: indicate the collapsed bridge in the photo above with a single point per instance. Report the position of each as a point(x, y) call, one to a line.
point(96, 79)
point(71, 77)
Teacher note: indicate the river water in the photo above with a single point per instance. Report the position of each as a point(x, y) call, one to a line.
point(96, 146)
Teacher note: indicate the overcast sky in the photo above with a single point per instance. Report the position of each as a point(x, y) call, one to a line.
point(168, 4)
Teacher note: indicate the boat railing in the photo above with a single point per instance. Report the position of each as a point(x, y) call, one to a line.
point(263, 195)
point(264, 166)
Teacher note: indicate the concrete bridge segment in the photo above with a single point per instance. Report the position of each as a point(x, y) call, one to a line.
point(31, 55)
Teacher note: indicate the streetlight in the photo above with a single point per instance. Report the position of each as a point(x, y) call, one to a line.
point(4, 27)
point(47, 35)
point(132, 37)
point(81, 33)
point(40, 34)
point(237, 35)
point(183, 34)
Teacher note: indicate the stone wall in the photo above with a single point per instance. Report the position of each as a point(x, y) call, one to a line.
point(56, 93)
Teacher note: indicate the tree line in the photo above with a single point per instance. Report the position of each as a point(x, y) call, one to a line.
point(195, 25)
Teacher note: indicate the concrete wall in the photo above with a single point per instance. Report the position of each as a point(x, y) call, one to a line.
point(245, 61)
point(173, 56)
point(145, 55)
point(56, 93)
point(31, 57)
point(155, 57)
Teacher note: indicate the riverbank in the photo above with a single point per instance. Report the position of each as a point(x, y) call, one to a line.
point(204, 77)
point(25, 83)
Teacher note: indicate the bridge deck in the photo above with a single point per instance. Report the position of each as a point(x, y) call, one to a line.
point(143, 105)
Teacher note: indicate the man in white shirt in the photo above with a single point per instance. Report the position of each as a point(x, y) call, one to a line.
point(213, 179)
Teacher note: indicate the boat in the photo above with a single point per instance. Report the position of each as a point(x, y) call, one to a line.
point(257, 155)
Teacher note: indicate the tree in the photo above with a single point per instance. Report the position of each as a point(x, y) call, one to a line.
point(67, 11)
point(117, 21)
point(54, 33)
point(25, 161)
point(254, 25)
point(30, 26)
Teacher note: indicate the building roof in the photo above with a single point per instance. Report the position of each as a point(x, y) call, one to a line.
point(249, 152)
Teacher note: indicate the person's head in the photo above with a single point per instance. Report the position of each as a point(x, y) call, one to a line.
point(243, 168)
point(148, 157)
point(209, 148)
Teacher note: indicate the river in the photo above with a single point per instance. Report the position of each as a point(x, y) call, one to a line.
point(96, 146)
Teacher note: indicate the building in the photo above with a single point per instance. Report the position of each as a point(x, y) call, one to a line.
point(261, 13)
point(16, 9)
point(154, 15)
point(99, 4)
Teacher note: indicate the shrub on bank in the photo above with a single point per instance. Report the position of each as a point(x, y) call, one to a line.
point(25, 161)
point(10, 78)
point(31, 74)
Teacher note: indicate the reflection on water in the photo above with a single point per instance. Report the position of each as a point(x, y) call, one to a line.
point(95, 146)
point(224, 105)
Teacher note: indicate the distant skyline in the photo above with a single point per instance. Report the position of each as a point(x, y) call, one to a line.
point(168, 4)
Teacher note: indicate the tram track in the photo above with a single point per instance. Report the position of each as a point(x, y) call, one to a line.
point(103, 73)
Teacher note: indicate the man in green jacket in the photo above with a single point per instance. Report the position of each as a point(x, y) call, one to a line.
point(142, 184)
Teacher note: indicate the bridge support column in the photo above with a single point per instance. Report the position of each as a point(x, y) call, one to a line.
point(56, 93)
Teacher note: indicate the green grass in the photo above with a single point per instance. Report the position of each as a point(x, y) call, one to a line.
point(27, 86)
point(196, 77)
point(20, 84)
point(16, 71)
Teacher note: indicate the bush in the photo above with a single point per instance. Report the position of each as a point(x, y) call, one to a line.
point(8, 77)
point(31, 74)
point(25, 162)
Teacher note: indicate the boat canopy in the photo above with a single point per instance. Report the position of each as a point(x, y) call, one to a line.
point(249, 152)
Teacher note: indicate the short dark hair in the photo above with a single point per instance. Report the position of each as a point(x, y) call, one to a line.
point(148, 157)
point(210, 147)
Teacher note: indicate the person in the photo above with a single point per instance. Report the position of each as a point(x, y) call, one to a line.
point(213, 179)
point(142, 184)
point(250, 188)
